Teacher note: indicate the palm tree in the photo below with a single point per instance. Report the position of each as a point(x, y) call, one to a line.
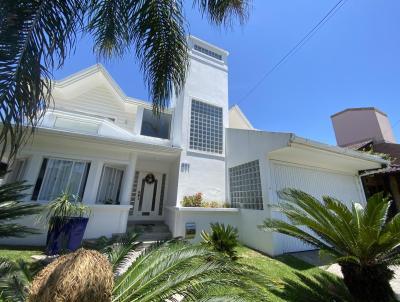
point(36, 36)
point(363, 240)
point(12, 208)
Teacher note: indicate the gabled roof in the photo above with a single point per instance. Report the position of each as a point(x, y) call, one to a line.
point(236, 110)
point(99, 70)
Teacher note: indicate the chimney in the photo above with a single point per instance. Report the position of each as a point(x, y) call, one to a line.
point(356, 125)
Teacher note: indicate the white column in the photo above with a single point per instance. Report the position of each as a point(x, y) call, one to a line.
point(32, 171)
point(93, 181)
point(126, 188)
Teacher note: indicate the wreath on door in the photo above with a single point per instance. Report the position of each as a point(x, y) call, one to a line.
point(150, 179)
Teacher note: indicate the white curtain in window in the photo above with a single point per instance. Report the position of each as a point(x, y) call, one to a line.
point(61, 176)
point(109, 185)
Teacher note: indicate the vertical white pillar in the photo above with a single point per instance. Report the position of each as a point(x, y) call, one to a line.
point(93, 181)
point(32, 171)
point(126, 188)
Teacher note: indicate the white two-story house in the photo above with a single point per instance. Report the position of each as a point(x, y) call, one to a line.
point(128, 165)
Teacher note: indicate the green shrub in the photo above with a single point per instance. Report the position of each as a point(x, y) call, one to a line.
point(193, 200)
point(222, 239)
point(197, 200)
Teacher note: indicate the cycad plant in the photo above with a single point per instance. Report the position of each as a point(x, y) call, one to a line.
point(36, 36)
point(223, 239)
point(178, 271)
point(363, 240)
point(12, 208)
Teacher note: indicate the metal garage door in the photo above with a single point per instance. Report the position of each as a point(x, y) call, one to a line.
point(316, 182)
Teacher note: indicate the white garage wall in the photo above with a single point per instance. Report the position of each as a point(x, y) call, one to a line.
point(317, 182)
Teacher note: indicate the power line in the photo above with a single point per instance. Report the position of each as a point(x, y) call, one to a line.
point(295, 48)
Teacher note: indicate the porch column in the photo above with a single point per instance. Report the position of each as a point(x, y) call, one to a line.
point(93, 181)
point(127, 185)
point(32, 171)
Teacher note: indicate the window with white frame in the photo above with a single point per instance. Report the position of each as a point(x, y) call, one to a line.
point(110, 185)
point(59, 176)
point(245, 186)
point(17, 170)
point(206, 128)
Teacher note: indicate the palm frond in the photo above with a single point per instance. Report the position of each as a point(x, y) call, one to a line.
point(358, 235)
point(224, 11)
point(12, 208)
point(157, 30)
point(109, 24)
point(175, 269)
point(119, 253)
point(35, 37)
point(15, 278)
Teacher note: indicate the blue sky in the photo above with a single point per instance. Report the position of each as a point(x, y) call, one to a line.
point(353, 61)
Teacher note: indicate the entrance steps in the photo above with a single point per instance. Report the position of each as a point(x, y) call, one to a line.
point(149, 230)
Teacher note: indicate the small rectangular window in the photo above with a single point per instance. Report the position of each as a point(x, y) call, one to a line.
point(156, 125)
point(208, 52)
point(110, 185)
point(59, 176)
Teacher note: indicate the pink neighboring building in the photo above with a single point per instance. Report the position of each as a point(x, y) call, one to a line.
point(369, 129)
point(358, 125)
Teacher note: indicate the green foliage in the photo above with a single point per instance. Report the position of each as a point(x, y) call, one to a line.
point(64, 206)
point(117, 248)
point(193, 200)
point(37, 36)
point(362, 240)
point(175, 269)
point(15, 278)
point(222, 239)
point(197, 200)
point(11, 208)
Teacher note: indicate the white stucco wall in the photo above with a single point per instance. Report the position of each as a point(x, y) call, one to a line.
point(104, 220)
point(207, 81)
point(202, 217)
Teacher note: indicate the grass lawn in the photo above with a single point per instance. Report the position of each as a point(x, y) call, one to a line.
point(293, 279)
point(18, 252)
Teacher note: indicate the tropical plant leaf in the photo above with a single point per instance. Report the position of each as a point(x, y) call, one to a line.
point(35, 37)
point(11, 208)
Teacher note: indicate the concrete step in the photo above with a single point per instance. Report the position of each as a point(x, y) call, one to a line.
point(159, 236)
point(147, 227)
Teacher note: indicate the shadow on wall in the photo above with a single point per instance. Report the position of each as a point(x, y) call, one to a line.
point(314, 288)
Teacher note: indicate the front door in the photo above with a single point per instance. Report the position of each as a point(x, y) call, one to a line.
point(149, 195)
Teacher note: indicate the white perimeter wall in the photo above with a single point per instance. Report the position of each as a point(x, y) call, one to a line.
point(176, 219)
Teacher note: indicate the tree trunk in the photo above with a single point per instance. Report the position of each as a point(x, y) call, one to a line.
point(368, 283)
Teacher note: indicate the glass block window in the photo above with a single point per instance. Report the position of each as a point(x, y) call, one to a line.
point(206, 129)
point(245, 186)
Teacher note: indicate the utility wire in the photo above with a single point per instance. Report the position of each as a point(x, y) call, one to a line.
point(296, 48)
